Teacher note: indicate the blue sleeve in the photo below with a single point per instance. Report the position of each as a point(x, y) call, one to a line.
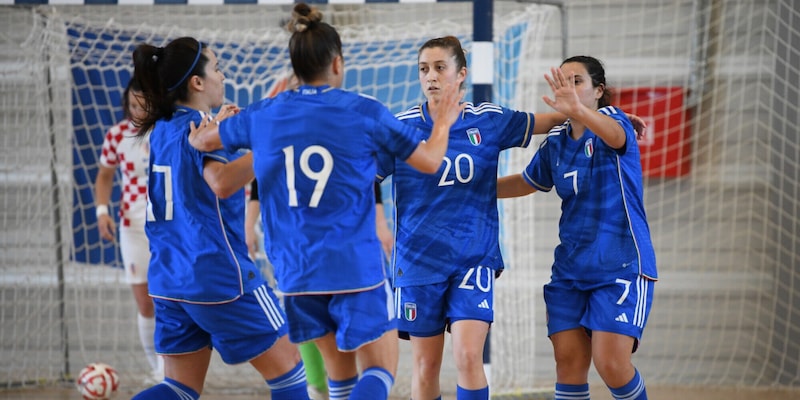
point(392, 135)
point(517, 128)
point(622, 119)
point(234, 132)
point(538, 173)
point(385, 162)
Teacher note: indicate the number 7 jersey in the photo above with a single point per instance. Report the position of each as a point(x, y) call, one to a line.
point(448, 221)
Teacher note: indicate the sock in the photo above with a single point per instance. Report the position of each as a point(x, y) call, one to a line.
point(375, 384)
point(315, 366)
point(571, 392)
point(167, 390)
point(147, 327)
point(633, 390)
point(291, 385)
point(340, 390)
point(477, 394)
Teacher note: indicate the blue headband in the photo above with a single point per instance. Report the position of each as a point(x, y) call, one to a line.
point(194, 64)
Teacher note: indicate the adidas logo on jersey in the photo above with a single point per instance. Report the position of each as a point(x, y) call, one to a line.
point(484, 304)
point(622, 318)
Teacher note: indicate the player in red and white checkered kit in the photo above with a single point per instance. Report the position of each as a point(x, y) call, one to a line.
point(121, 149)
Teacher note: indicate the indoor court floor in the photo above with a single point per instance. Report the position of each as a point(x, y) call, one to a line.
point(598, 393)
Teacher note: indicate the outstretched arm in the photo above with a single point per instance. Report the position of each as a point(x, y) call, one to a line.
point(226, 179)
point(428, 155)
point(513, 186)
point(567, 102)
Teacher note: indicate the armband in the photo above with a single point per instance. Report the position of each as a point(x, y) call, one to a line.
point(100, 209)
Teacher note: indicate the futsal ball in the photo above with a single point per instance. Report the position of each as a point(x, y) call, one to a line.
point(97, 381)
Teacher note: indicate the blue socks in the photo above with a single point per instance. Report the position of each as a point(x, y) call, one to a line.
point(291, 385)
point(340, 390)
point(571, 392)
point(375, 384)
point(167, 390)
point(633, 390)
point(477, 394)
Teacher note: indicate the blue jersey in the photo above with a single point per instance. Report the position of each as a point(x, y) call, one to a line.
point(448, 222)
point(314, 152)
point(603, 228)
point(197, 242)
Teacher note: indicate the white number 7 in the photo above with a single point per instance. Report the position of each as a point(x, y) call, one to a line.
point(574, 175)
point(625, 292)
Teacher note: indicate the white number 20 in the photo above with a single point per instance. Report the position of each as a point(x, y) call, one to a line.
point(321, 176)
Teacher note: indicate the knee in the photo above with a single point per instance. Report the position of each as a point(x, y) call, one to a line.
point(468, 359)
point(428, 369)
point(613, 367)
point(570, 362)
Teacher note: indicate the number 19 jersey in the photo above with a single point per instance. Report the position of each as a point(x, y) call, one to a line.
point(314, 152)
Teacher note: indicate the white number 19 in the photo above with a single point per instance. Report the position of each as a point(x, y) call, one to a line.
point(321, 176)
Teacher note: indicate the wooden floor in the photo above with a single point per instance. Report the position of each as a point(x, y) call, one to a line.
point(598, 393)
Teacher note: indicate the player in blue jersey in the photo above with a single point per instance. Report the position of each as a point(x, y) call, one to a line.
point(312, 359)
point(601, 287)
point(447, 250)
point(207, 292)
point(314, 150)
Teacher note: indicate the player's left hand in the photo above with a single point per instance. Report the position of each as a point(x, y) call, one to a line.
point(638, 125)
point(226, 111)
point(566, 99)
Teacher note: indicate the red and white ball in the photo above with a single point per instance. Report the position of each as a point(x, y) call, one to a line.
point(97, 381)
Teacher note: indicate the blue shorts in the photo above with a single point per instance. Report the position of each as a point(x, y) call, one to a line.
point(618, 305)
point(357, 318)
point(427, 310)
point(240, 330)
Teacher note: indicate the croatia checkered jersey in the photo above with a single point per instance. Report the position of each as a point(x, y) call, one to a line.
point(316, 183)
point(603, 227)
point(197, 242)
point(122, 149)
point(448, 221)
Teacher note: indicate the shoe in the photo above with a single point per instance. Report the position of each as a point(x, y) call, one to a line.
point(315, 394)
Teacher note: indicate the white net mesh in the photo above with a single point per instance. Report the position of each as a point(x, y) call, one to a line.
point(718, 80)
point(84, 60)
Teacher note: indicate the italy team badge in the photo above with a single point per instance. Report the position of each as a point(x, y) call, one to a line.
point(410, 311)
point(474, 135)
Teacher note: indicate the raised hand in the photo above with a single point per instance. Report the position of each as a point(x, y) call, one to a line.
point(450, 104)
point(566, 99)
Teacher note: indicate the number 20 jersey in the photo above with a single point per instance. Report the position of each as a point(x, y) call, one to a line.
point(448, 221)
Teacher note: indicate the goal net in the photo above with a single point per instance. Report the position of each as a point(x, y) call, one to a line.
point(65, 301)
point(717, 81)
